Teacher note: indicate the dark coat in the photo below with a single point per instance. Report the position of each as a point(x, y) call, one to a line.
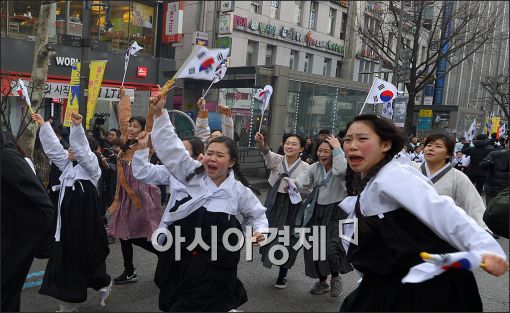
point(27, 213)
point(496, 215)
point(477, 153)
point(496, 164)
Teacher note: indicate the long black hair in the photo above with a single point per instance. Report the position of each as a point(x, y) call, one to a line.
point(232, 150)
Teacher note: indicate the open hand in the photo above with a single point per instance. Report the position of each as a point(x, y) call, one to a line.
point(201, 104)
point(333, 142)
point(259, 138)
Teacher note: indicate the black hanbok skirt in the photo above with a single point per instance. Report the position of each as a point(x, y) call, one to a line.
point(196, 282)
point(77, 261)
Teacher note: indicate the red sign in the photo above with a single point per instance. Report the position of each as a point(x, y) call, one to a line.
point(142, 71)
point(173, 20)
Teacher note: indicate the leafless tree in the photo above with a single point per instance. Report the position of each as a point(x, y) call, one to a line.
point(498, 89)
point(451, 31)
point(42, 53)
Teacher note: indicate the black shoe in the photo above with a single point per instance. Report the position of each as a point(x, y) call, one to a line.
point(281, 283)
point(126, 278)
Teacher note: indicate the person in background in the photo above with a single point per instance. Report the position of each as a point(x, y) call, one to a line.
point(26, 216)
point(497, 214)
point(417, 154)
point(477, 153)
point(280, 148)
point(307, 154)
point(497, 164)
point(324, 133)
point(459, 161)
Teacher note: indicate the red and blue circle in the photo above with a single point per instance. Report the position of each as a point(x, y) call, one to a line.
point(386, 96)
point(206, 64)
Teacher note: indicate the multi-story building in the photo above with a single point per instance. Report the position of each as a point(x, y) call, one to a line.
point(296, 46)
point(112, 32)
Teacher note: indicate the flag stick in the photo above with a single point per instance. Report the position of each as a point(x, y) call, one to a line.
point(214, 79)
point(364, 103)
point(261, 120)
point(125, 70)
point(170, 82)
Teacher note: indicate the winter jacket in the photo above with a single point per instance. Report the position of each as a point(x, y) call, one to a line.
point(477, 153)
point(496, 215)
point(497, 165)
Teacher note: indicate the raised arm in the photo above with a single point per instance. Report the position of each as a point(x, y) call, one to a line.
point(81, 149)
point(50, 143)
point(253, 212)
point(339, 161)
point(170, 149)
point(272, 159)
point(149, 173)
point(202, 129)
point(124, 113)
point(227, 123)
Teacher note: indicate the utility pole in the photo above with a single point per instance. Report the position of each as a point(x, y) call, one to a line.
point(394, 79)
point(86, 44)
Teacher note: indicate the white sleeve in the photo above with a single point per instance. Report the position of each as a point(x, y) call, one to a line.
point(253, 212)
point(272, 159)
point(305, 180)
point(227, 126)
point(149, 173)
point(439, 213)
point(81, 150)
point(170, 149)
point(202, 129)
point(52, 147)
point(339, 162)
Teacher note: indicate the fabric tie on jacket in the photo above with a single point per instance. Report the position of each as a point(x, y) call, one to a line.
point(273, 192)
point(306, 211)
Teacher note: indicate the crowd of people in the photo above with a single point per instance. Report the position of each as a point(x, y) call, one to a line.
point(144, 186)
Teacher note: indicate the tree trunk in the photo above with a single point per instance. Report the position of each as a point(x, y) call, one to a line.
point(42, 53)
point(410, 113)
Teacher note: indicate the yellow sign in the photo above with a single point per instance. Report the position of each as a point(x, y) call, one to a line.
point(495, 124)
point(425, 113)
point(95, 79)
point(74, 94)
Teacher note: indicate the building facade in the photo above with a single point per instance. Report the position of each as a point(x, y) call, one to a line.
point(112, 32)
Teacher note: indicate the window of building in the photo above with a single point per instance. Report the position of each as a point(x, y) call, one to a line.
point(343, 26)
point(338, 71)
point(3, 21)
point(308, 63)
point(331, 21)
point(314, 8)
point(22, 21)
point(256, 6)
point(250, 53)
point(270, 52)
point(298, 8)
point(275, 9)
point(326, 67)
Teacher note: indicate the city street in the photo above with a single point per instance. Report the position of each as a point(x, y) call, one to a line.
point(258, 281)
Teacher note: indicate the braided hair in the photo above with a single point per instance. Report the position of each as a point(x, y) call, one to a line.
point(231, 146)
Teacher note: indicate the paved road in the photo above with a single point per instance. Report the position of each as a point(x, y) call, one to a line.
point(258, 280)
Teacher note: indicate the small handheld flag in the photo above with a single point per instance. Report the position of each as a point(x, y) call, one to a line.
point(23, 93)
point(470, 135)
point(134, 48)
point(263, 95)
point(381, 92)
point(436, 264)
point(294, 195)
point(218, 75)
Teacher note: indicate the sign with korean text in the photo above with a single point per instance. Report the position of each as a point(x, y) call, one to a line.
point(227, 6)
point(425, 113)
point(240, 22)
point(97, 68)
point(141, 71)
point(74, 94)
point(200, 39)
point(224, 42)
point(225, 24)
point(173, 20)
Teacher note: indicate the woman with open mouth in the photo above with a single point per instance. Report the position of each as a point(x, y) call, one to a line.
point(327, 178)
point(399, 215)
point(280, 210)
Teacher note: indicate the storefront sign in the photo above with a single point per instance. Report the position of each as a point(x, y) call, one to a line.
point(69, 40)
point(141, 71)
point(65, 61)
point(224, 43)
point(240, 22)
point(286, 34)
point(227, 6)
point(226, 24)
point(399, 110)
point(200, 39)
point(173, 20)
point(425, 113)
